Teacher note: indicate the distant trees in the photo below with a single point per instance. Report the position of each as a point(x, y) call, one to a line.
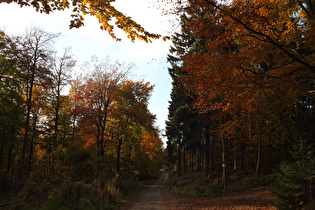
point(54, 126)
point(245, 72)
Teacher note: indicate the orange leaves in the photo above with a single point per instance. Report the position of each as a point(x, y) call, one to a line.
point(112, 114)
point(247, 62)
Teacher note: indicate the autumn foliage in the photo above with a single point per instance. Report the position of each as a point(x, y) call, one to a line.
point(82, 136)
point(244, 70)
point(105, 12)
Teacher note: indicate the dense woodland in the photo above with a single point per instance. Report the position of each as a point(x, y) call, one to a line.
point(242, 102)
point(242, 105)
point(57, 128)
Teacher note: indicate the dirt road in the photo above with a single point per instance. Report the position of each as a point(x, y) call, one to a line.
point(158, 197)
point(151, 198)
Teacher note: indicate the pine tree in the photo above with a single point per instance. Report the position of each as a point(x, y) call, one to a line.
point(295, 179)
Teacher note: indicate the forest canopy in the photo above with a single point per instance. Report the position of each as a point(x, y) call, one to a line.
point(55, 126)
point(242, 101)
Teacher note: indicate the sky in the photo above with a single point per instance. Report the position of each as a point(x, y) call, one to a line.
point(149, 58)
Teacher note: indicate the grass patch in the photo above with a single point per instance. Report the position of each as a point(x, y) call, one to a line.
point(192, 185)
point(197, 184)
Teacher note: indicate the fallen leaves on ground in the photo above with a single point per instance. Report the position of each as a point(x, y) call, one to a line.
point(255, 199)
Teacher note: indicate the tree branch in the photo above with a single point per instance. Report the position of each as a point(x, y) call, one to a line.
point(268, 38)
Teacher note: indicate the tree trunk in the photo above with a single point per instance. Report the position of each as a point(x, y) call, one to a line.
point(224, 177)
point(28, 113)
point(1, 149)
point(257, 168)
point(198, 159)
point(179, 168)
point(56, 126)
point(32, 144)
point(258, 156)
point(190, 162)
point(9, 157)
point(118, 154)
point(98, 141)
point(207, 152)
point(184, 159)
point(103, 126)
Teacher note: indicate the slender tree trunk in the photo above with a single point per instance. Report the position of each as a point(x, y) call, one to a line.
point(184, 159)
point(190, 162)
point(103, 126)
point(9, 157)
point(258, 156)
point(207, 152)
point(28, 113)
point(242, 159)
point(32, 144)
point(199, 159)
point(98, 141)
point(310, 198)
point(73, 128)
point(56, 126)
point(212, 154)
point(1, 149)
point(224, 174)
point(13, 163)
point(257, 168)
point(179, 158)
point(118, 153)
point(102, 149)
point(56, 120)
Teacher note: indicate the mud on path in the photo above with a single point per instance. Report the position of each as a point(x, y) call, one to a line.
point(158, 197)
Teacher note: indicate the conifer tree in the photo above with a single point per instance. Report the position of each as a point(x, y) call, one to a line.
point(295, 179)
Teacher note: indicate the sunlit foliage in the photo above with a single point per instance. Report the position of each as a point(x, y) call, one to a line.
point(107, 15)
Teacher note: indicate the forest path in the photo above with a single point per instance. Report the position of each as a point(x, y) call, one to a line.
point(151, 198)
point(158, 197)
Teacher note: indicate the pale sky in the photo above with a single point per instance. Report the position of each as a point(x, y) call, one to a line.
point(149, 58)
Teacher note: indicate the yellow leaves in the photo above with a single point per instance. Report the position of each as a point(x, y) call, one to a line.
point(104, 12)
point(165, 38)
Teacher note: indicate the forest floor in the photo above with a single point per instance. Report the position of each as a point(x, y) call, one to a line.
point(158, 197)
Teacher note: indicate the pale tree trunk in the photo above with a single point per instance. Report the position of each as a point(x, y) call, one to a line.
point(224, 174)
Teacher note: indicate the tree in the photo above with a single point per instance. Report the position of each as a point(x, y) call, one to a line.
point(60, 76)
point(100, 91)
point(246, 67)
point(104, 11)
point(11, 113)
point(240, 61)
point(186, 128)
point(131, 113)
point(295, 178)
point(102, 124)
point(33, 55)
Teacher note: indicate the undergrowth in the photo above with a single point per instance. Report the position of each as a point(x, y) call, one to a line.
point(197, 184)
point(96, 194)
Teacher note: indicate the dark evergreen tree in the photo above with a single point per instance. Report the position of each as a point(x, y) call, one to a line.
point(295, 179)
point(183, 124)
